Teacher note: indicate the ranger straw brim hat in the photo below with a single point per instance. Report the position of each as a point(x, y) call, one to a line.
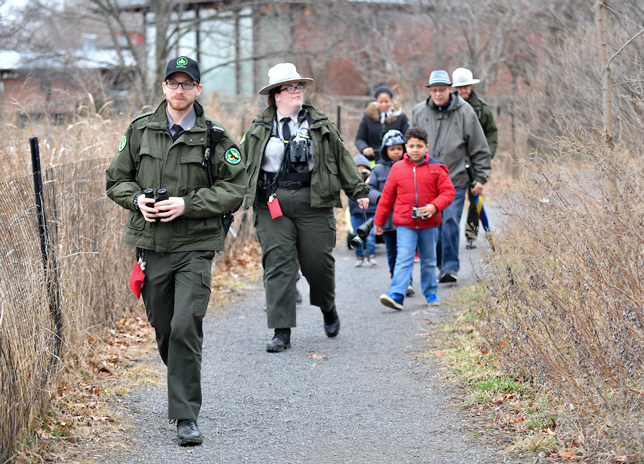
point(463, 77)
point(283, 73)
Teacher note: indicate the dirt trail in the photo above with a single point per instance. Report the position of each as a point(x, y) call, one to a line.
point(363, 397)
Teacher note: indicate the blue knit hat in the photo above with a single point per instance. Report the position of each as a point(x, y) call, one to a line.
point(361, 160)
point(391, 138)
point(439, 77)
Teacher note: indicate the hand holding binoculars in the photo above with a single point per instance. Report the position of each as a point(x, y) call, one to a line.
point(162, 194)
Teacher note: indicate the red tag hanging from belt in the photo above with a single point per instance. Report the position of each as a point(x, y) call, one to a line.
point(136, 280)
point(274, 207)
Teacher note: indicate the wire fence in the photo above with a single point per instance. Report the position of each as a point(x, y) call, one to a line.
point(47, 311)
point(50, 307)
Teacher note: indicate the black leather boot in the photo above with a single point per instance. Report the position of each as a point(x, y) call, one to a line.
point(331, 323)
point(188, 433)
point(281, 340)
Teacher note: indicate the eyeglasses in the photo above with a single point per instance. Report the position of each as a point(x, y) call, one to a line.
point(172, 85)
point(293, 88)
point(438, 89)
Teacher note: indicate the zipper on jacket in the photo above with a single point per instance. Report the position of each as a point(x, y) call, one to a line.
point(438, 134)
point(416, 192)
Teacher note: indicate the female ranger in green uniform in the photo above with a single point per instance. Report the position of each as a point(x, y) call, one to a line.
point(297, 163)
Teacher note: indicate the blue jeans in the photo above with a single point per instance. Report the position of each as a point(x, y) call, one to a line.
point(448, 234)
point(410, 240)
point(356, 221)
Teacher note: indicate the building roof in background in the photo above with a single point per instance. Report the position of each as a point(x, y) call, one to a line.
point(84, 59)
point(140, 5)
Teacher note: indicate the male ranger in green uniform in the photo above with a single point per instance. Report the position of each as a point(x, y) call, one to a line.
point(462, 82)
point(173, 148)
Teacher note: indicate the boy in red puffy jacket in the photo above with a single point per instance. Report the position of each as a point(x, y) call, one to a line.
point(418, 189)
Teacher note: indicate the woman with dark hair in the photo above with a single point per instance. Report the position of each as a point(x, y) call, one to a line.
point(381, 116)
point(297, 163)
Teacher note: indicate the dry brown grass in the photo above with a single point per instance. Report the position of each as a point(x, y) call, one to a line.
point(565, 292)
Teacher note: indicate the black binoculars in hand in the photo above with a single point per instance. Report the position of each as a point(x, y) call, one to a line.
point(162, 194)
point(362, 233)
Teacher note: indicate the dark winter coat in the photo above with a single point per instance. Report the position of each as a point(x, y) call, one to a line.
point(377, 184)
point(412, 184)
point(371, 131)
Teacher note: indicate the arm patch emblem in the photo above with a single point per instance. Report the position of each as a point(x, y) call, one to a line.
point(123, 144)
point(233, 156)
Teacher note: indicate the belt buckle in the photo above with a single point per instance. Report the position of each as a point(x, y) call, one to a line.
point(293, 185)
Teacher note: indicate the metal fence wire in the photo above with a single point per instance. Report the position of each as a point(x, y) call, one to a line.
point(45, 316)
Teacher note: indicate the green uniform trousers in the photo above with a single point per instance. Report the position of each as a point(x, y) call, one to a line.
point(301, 233)
point(176, 292)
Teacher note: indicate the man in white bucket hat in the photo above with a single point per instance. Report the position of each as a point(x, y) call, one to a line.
point(297, 165)
point(455, 136)
point(463, 80)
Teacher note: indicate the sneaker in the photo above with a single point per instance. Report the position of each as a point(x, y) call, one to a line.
point(359, 261)
point(416, 257)
point(433, 300)
point(411, 291)
point(471, 244)
point(372, 260)
point(394, 301)
point(447, 277)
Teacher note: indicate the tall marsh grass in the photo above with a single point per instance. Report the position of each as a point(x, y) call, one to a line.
point(565, 293)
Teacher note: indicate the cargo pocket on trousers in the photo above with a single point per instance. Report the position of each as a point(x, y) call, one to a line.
point(202, 294)
point(332, 226)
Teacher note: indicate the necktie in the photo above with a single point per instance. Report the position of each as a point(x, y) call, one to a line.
point(177, 129)
point(286, 130)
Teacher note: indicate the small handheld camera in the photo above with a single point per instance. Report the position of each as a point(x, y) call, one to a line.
point(415, 214)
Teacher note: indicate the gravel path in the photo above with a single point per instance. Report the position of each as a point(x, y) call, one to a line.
point(371, 401)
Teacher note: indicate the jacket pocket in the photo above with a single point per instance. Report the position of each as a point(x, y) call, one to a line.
point(135, 221)
point(192, 173)
point(333, 186)
point(197, 227)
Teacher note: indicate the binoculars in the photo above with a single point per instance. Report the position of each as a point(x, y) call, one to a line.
point(162, 194)
point(362, 233)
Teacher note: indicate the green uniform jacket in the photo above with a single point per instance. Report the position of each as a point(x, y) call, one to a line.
point(455, 137)
point(486, 118)
point(333, 168)
point(148, 158)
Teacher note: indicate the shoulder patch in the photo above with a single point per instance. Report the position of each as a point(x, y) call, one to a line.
point(123, 144)
point(233, 156)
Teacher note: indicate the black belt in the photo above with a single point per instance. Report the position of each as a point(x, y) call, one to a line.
point(293, 185)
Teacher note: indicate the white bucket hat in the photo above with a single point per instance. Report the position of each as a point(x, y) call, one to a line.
point(283, 73)
point(462, 77)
